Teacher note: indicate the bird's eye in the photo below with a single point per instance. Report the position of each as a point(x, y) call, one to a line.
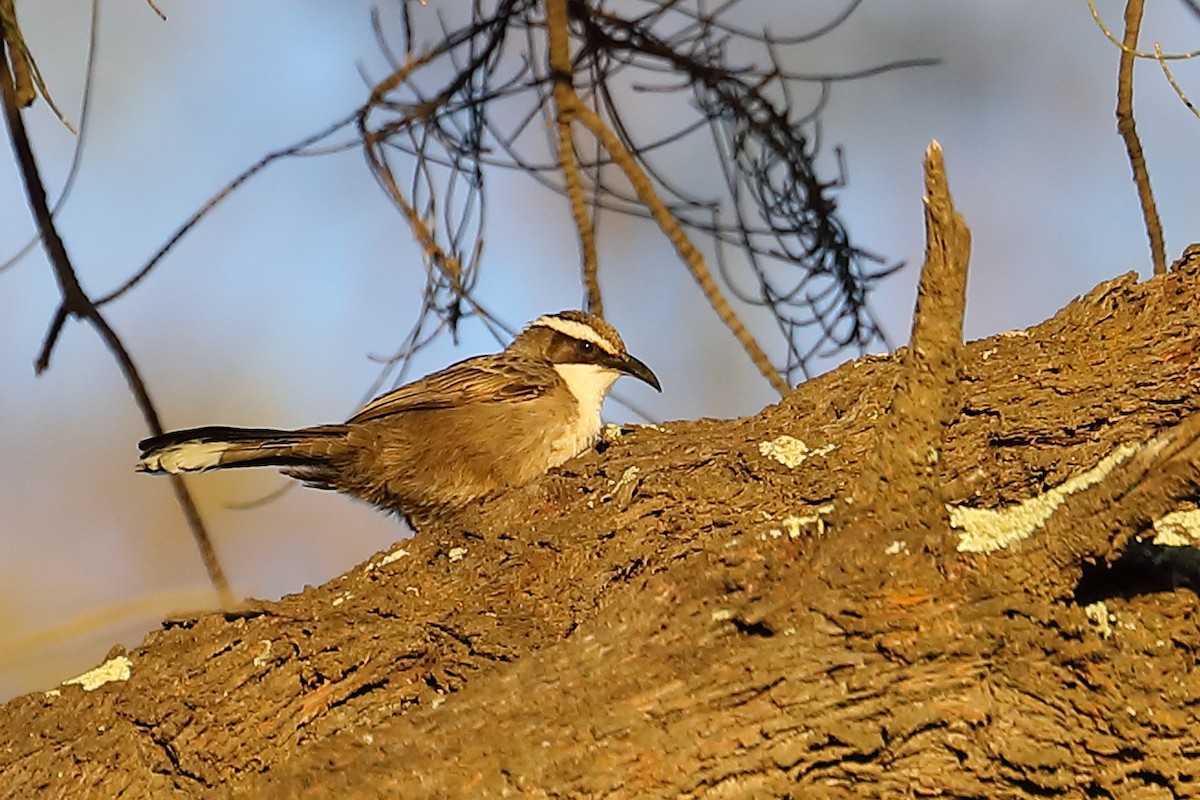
point(586, 347)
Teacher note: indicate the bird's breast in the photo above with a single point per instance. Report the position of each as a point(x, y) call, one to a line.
point(575, 436)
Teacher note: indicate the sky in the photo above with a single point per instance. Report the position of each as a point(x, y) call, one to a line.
point(270, 311)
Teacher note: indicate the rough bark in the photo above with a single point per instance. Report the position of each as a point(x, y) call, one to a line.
point(672, 617)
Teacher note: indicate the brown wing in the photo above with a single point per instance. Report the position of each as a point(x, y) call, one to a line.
point(482, 379)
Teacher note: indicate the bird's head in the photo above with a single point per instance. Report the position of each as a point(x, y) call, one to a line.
point(586, 351)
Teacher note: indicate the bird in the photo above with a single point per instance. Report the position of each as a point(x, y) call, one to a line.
point(430, 447)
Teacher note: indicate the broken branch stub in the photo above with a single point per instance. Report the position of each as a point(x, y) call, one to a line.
point(925, 400)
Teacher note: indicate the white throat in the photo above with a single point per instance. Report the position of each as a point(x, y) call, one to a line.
point(589, 383)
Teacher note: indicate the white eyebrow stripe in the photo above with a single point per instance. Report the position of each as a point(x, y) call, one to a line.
point(576, 330)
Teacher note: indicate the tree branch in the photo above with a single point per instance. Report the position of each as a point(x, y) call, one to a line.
point(76, 303)
point(565, 99)
point(1133, 144)
point(683, 245)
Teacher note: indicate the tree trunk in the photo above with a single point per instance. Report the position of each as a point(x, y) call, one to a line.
point(675, 616)
point(947, 573)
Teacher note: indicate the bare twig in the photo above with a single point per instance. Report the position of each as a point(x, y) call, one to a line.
point(448, 265)
point(1158, 54)
point(156, 10)
point(683, 245)
point(212, 202)
point(25, 72)
point(1132, 49)
point(564, 100)
point(68, 184)
point(1162, 62)
point(1133, 145)
point(780, 214)
point(76, 303)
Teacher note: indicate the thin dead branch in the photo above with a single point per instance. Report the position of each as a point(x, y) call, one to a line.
point(1162, 62)
point(1133, 144)
point(84, 116)
point(1125, 117)
point(27, 78)
point(299, 148)
point(472, 103)
point(1132, 50)
point(564, 100)
point(76, 303)
point(683, 245)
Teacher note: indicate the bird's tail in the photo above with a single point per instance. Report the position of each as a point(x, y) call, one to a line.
point(219, 447)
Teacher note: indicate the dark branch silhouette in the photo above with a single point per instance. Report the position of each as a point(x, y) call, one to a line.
point(485, 96)
point(76, 303)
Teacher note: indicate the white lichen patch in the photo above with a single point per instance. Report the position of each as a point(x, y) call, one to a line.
point(790, 451)
point(263, 654)
point(610, 433)
point(985, 530)
point(627, 477)
point(395, 555)
point(794, 524)
point(1178, 529)
point(457, 553)
point(115, 669)
point(895, 548)
point(624, 486)
point(1100, 616)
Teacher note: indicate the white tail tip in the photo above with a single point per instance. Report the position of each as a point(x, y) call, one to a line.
point(185, 457)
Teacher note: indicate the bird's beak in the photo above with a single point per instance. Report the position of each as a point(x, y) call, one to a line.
point(635, 367)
